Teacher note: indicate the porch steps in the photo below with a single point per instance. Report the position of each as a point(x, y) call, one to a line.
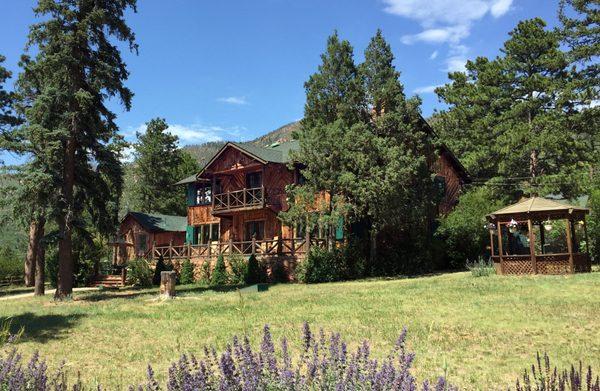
point(108, 281)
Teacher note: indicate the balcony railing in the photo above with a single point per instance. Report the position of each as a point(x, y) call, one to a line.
point(239, 199)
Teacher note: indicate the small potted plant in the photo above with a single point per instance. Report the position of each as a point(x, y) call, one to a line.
point(547, 225)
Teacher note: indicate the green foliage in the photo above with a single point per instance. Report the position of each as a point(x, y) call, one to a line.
point(161, 266)
point(593, 224)
point(254, 272)
point(186, 276)
point(481, 267)
point(322, 266)
point(205, 273)
point(159, 162)
point(220, 275)
point(11, 266)
point(463, 230)
point(239, 269)
point(139, 273)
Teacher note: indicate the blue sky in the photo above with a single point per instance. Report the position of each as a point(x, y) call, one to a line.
point(234, 70)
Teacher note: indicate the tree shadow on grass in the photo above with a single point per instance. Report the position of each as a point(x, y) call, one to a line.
point(132, 293)
point(41, 328)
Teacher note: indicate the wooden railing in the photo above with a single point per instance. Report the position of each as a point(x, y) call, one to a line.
point(268, 247)
point(239, 199)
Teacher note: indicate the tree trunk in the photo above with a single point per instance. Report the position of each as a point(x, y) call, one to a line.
point(373, 245)
point(40, 264)
point(32, 250)
point(64, 287)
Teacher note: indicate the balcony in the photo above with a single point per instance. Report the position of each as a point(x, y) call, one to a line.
point(244, 199)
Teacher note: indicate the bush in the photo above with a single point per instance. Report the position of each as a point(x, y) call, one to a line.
point(463, 229)
point(187, 272)
point(11, 267)
point(593, 225)
point(139, 273)
point(161, 266)
point(254, 272)
point(481, 268)
point(220, 276)
point(239, 268)
point(322, 266)
point(205, 272)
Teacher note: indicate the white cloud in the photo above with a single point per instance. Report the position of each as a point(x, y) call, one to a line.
point(426, 89)
point(434, 55)
point(234, 100)
point(500, 7)
point(446, 22)
point(194, 133)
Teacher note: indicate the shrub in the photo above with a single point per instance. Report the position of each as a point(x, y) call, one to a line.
point(481, 268)
point(254, 272)
point(187, 272)
point(239, 268)
point(205, 273)
point(541, 377)
point(463, 229)
point(593, 225)
point(139, 273)
point(220, 276)
point(161, 266)
point(322, 266)
point(11, 266)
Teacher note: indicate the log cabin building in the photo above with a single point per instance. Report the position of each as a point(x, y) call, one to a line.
point(234, 202)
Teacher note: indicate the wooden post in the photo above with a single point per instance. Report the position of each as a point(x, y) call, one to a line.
point(587, 241)
point(230, 245)
point(253, 243)
point(500, 250)
point(307, 238)
point(171, 250)
point(491, 243)
point(532, 246)
point(570, 246)
point(167, 284)
point(123, 275)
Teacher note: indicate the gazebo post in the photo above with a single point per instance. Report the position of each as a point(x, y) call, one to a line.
point(532, 246)
point(491, 244)
point(500, 247)
point(587, 241)
point(570, 245)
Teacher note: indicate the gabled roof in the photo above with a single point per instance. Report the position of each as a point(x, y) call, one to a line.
point(155, 222)
point(537, 204)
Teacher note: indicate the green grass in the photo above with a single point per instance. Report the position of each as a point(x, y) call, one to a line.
point(482, 331)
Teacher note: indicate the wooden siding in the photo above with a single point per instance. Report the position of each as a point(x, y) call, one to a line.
point(129, 232)
point(443, 167)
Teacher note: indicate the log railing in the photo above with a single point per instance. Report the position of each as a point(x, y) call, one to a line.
point(239, 199)
point(267, 247)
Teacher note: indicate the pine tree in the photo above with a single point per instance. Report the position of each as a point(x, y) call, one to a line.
point(186, 275)
point(219, 276)
point(158, 164)
point(81, 69)
point(335, 101)
point(8, 117)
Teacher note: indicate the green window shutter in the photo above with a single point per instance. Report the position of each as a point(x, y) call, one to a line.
point(339, 230)
point(189, 234)
point(191, 194)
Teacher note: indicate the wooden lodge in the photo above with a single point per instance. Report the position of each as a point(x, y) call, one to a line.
point(539, 236)
point(234, 202)
point(140, 232)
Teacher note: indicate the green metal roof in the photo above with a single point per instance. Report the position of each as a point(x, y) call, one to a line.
point(159, 222)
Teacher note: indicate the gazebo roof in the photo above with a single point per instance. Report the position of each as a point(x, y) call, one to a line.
point(537, 204)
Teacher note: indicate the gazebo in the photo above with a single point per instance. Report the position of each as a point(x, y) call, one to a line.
point(539, 236)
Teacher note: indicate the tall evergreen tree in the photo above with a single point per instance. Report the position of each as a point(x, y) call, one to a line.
point(8, 117)
point(390, 186)
point(335, 101)
point(158, 164)
point(81, 69)
point(520, 128)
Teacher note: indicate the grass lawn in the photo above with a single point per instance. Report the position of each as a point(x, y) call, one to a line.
point(481, 331)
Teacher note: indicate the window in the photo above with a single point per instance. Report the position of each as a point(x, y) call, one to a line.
point(254, 229)
point(439, 184)
point(253, 180)
point(206, 233)
point(300, 230)
point(141, 243)
point(300, 179)
point(203, 195)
